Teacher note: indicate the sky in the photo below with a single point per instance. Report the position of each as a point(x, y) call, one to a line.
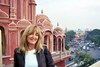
point(71, 14)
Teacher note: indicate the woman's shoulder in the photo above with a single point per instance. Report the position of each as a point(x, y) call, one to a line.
point(44, 46)
point(45, 49)
point(17, 50)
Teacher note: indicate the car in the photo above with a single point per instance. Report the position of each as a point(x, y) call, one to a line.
point(86, 48)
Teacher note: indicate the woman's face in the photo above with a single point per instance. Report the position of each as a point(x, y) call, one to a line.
point(32, 38)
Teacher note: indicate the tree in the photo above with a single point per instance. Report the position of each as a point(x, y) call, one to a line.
point(94, 36)
point(70, 35)
point(84, 59)
point(96, 39)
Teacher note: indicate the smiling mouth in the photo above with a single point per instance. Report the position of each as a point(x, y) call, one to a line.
point(33, 39)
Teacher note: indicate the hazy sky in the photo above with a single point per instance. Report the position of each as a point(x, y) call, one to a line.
point(73, 14)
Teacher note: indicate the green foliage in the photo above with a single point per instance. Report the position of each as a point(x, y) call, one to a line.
point(84, 57)
point(87, 64)
point(96, 39)
point(70, 35)
point(95, 32)
point(94, 36)
point(66, 47)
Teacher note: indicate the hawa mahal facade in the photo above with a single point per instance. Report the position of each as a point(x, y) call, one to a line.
point(15, 16)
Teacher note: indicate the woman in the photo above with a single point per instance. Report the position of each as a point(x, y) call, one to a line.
point(30, 52)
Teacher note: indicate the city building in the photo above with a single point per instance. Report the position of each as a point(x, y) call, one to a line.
point(15, 16)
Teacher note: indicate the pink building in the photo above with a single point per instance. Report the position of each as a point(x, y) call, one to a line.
point(15, 16)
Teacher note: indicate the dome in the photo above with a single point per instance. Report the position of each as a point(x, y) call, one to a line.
point(41, 16)
point(58, 31)
point(43, 20)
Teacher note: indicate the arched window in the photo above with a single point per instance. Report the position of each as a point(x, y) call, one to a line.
point(62, 44)
point(3, 40)
point(45, 39)
point(59, 44)
point(54, 43)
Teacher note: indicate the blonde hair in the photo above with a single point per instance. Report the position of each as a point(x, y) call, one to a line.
point(29, 30)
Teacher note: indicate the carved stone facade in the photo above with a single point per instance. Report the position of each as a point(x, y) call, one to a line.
point(15, 16)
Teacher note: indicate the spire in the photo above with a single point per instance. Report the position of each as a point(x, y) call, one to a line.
point(57, 24)
point(41, 11)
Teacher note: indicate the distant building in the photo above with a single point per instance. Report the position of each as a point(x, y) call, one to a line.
point(15, 16)
point(80, 35)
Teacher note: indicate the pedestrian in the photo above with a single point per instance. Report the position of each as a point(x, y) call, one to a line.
point(31, 52)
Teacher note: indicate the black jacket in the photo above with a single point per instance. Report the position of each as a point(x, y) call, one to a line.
point(44, 58)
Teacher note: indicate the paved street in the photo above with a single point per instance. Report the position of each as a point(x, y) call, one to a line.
point(95, 53)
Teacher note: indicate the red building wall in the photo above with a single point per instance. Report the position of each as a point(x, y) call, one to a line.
point(61, 64)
